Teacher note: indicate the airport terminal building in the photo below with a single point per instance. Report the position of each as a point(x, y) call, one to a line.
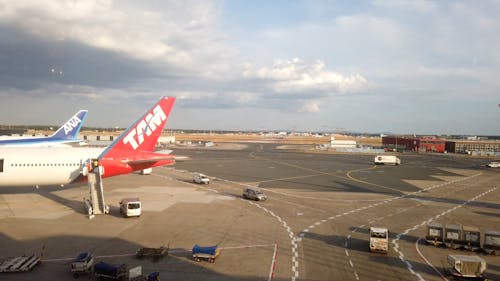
point(429, 144)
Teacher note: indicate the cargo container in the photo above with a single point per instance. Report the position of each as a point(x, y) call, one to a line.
point(453, 236)
point(434, 235)
point(491, 244)
point(466, 266)
point(472, 238)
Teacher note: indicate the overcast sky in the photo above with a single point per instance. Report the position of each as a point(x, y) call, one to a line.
point(423, 67)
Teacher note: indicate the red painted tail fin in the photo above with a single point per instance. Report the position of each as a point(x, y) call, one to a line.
point(143, 134)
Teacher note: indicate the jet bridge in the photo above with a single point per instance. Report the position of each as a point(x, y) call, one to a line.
point(96, 205)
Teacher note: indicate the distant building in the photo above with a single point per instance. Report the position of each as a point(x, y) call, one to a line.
point(414, 144)
point(429, 144)
point(467, 146)
point(342, 143)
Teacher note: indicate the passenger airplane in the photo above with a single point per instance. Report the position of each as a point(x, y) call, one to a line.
point(132, 151)
point(65, 136)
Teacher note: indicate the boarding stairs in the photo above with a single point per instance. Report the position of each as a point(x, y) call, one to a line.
point(96, 205)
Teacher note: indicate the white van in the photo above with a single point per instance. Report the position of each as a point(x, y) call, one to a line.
point(254, 193)
point(201, 178)
point(130, 207)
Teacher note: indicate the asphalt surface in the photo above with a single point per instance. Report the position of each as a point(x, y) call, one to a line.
point(315, 221)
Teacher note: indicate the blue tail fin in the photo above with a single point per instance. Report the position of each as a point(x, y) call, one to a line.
point(72, 127)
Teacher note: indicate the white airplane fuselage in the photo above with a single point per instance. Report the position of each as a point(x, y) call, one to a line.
point(43, 166)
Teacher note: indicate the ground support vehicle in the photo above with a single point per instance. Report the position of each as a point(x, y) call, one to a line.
point(434, 234)
point(82, 264)
point(254, 193)
point(209, 253)
point(201, 178)
point(379, 239)
point(386, 160)
point(464, 266)
point(106, 271)
point(494, 164)
point(491, 244)
point(18, 264)
point(130, 207)
point(155, 253)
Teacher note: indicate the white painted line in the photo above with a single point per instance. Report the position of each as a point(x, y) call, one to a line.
point(247, 246)
point(426, 261)
point(409, 266)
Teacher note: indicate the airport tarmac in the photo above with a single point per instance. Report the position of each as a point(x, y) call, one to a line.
point(315, 222)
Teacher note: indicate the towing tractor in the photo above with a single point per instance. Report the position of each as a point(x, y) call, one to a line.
point(379, 239)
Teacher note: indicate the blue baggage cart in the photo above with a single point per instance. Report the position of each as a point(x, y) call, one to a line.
point(209, 253)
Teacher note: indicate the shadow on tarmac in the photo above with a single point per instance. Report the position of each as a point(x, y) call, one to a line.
point(56, 260)
point(362, 247)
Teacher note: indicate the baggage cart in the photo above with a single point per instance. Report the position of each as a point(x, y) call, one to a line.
point(155, 253)
point(453, 236)
point(491, 244)
point(472, 238)
point(82, 264)
point(434, 234)
point(209, 253)
point(106, 271)
point(464, 266)
point(19, 264)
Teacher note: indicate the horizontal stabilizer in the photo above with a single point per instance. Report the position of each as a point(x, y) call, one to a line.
point(150, 160)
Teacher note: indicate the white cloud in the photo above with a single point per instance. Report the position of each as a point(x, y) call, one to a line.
point(173, 35)
point(296, 76)
point(310, 107)
point(411, 5)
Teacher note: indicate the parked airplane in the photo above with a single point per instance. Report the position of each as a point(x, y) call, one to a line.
point(130, 152)
point(66, 135)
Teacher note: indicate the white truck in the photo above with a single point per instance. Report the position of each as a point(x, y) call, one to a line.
point(379, 239)
point(386, 160)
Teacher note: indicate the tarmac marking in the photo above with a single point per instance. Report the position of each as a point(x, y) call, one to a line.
point(295, 262)
point(294, 239)
point(303, 232)
point(288, 178)
point(348, 174)
point(273, 262)
point(170, 251)
point(427, 261)
point(409, 266)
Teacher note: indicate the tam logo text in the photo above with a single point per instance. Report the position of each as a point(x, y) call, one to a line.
point(147, 126)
